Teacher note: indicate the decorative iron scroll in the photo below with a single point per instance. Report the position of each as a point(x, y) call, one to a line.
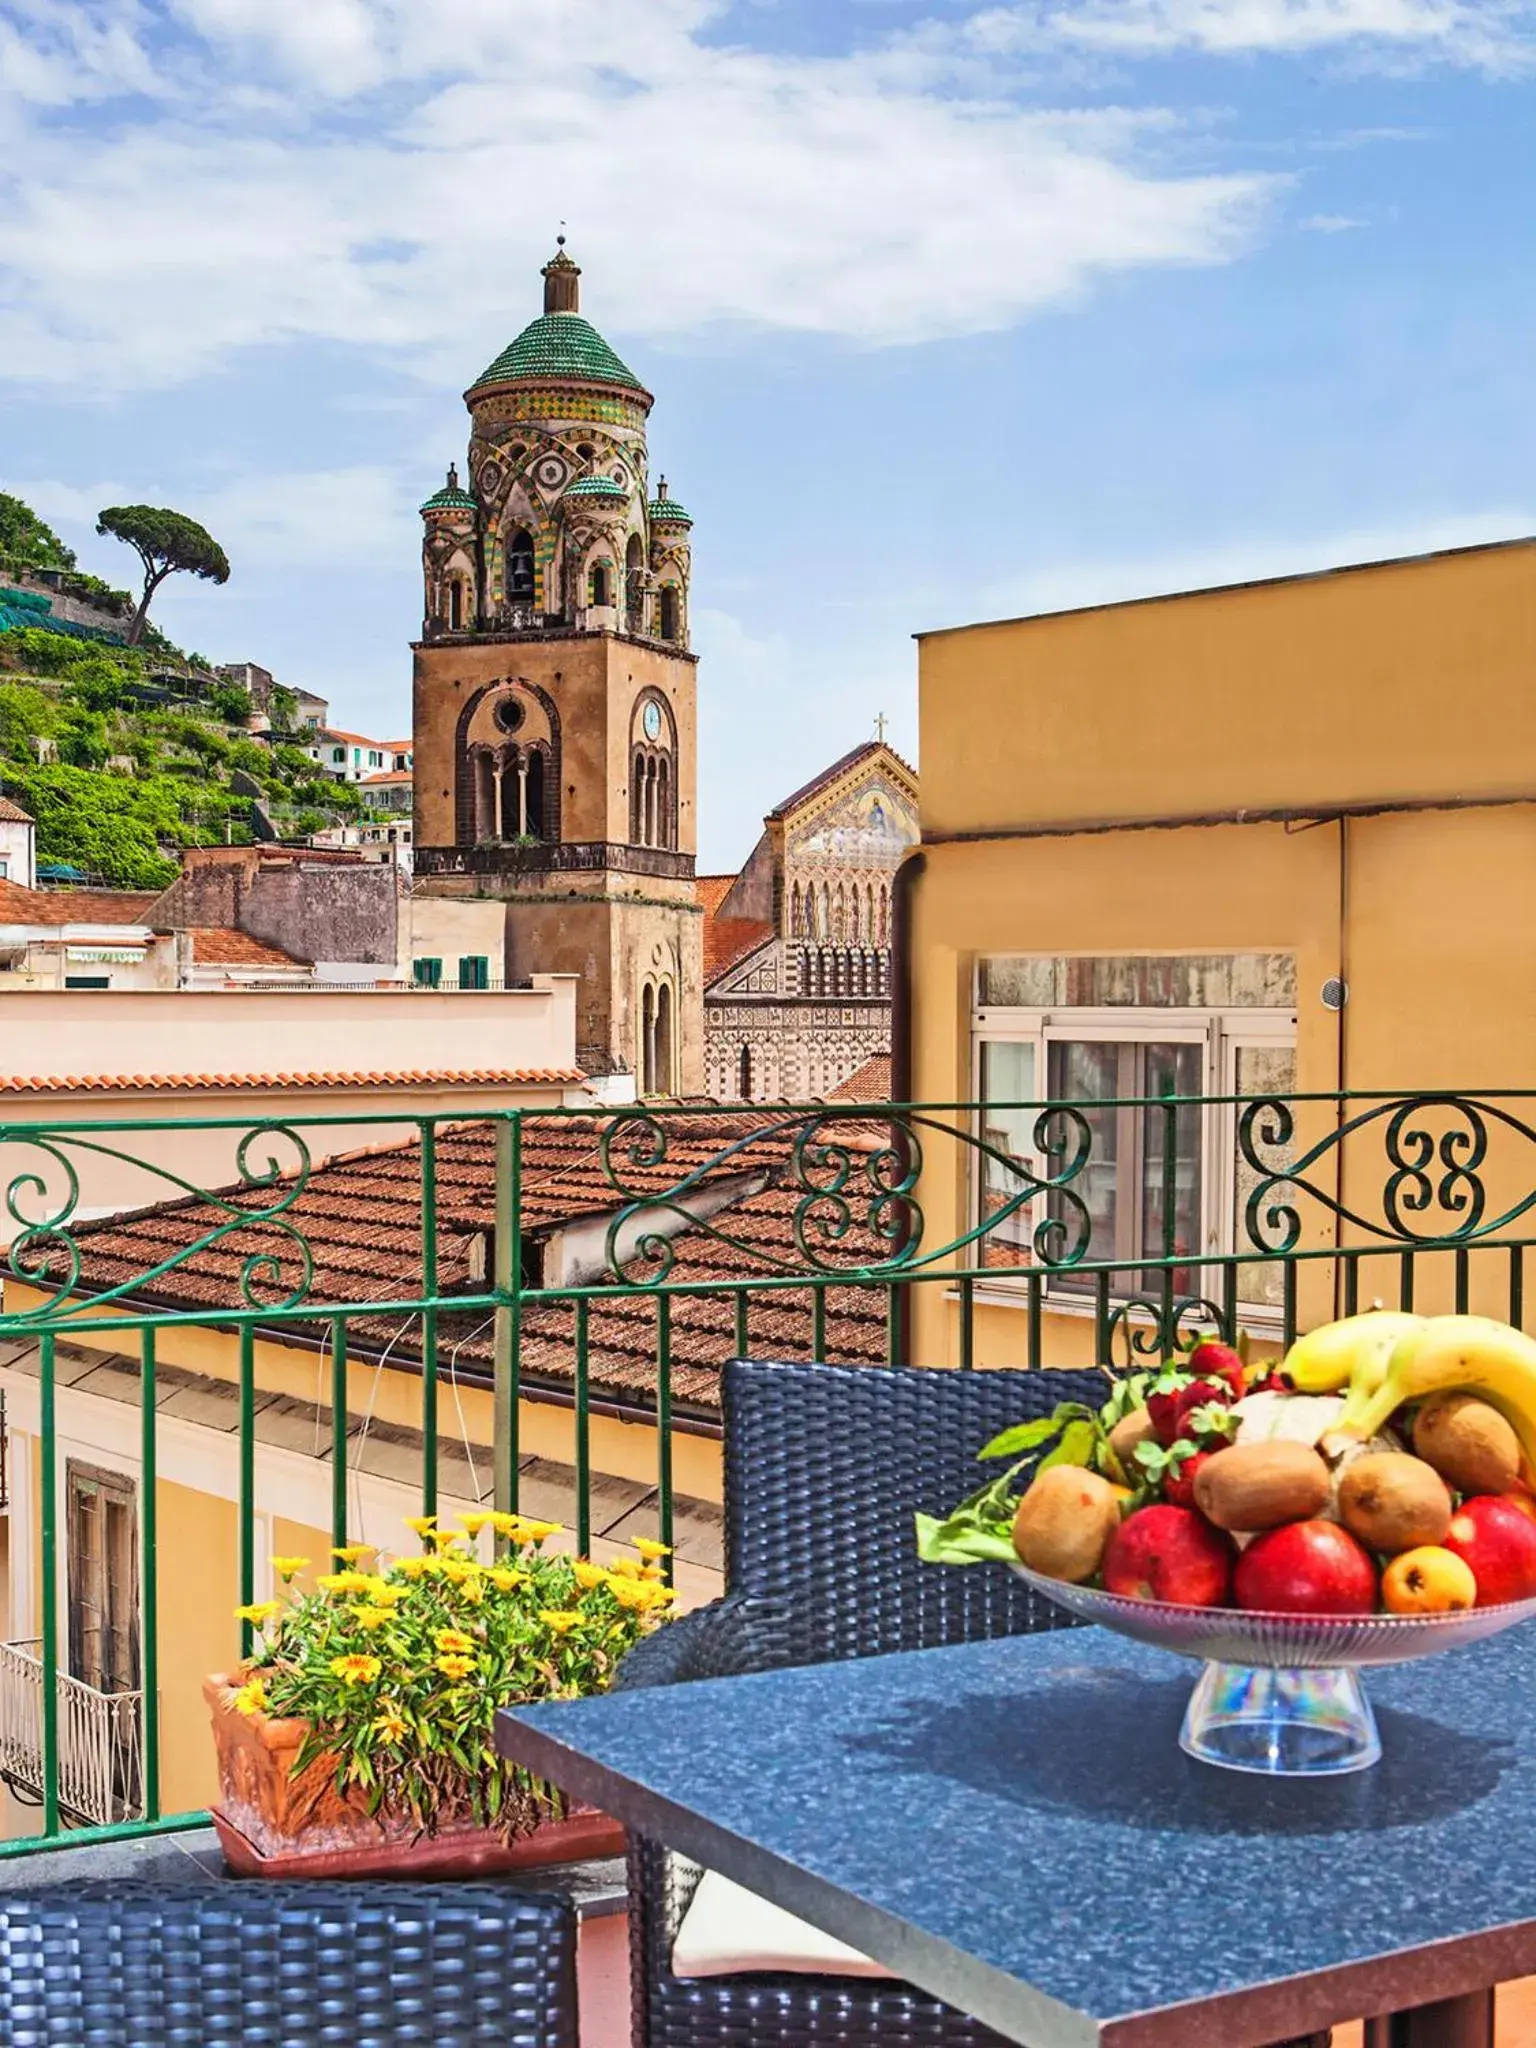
point(52, 1241)
point(1432, 1191)
point(853, 1174)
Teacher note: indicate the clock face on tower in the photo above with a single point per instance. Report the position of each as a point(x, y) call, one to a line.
point(650, 720)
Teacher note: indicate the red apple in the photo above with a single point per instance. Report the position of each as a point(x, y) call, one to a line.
point(1172, 1554)
point(1308, 1568)
point(1498, 1541)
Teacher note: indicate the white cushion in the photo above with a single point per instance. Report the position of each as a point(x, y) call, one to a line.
point(727, 1929)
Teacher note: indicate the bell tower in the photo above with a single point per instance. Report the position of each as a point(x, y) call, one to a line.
point(555, 695)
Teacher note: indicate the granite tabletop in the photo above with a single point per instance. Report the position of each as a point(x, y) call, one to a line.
point(1012, 1826)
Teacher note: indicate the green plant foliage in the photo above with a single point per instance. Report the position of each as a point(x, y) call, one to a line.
point(26, 541)
point(400, 1672)
point(230, 702)
point(166, 543)
point(27, 714)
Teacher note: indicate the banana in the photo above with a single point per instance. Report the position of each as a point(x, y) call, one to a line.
point(1454, 1354)
point(1352, 1353)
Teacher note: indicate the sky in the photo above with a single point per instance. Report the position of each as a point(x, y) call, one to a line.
point(952, 311)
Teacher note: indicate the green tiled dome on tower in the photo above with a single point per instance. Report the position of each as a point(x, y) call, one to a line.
point(559, 344)
point(663, 508)
point(602, 488)
point(451, 497)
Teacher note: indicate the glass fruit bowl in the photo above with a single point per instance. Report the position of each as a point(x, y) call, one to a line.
point(1280, 1693)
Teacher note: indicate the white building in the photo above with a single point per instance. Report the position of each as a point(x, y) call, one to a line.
point(18, 845)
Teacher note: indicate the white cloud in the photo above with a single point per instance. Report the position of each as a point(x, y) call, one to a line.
point(345, 171)
point(342, 518)
point(1331, 223)
point(1492, 34)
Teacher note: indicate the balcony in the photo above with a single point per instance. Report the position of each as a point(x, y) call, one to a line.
point(529, 1311)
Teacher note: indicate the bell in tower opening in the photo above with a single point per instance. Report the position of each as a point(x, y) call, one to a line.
point(555, 695)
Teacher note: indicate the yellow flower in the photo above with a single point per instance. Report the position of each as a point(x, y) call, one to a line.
point(474, 1523)
point(251, 1698)
point(648, 1548)
point(383, 1594)
point(651, 1571)
point(373, 1617)
point(561, 1619)
point(472, 1590)
point(344, 1582)
point(456, 1667)
point(535, 1532)
point(505, 1580)
point(507, 1525)
point(588, 1574)
point(288, 1567)
point(416, 1567)
point(636, 1594)
point(353, 1553)
point(627, 1568)
point(445, 1539)
point(453, 1639)
point(260, 1611)
point(456, 1569)
point(356, 1670)
point(390, 1725)
point(422, 1524)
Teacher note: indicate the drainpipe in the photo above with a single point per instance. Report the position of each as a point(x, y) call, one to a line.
point(903, 893)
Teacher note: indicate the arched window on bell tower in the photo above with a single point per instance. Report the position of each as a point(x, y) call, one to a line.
point(520, 567)
point(455, 605)
point(634, 583)
point(667, 625)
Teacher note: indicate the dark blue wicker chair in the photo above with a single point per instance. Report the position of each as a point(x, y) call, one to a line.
point(824, 1468)
point(259, 1965)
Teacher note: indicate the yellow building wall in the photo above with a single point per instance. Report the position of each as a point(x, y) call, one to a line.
point(1382, 683)
point(198, 1554)
point(1405, 682)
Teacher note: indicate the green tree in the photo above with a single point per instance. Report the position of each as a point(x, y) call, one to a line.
point(27, 714)
point(166, 542)
point(282, 708)
point(229, 702)
point(27, 541)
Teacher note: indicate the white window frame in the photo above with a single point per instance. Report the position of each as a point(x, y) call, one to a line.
point(1222, 1032)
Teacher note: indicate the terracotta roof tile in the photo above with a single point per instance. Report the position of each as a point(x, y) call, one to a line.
point(74, 906)
point(729, 939)
point(12, 813)
point(712, 890)
point(400, 1077)
point(220, 946)
point(869, 1083)
point(361, 1220)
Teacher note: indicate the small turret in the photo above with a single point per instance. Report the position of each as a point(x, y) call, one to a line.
point(562, 281)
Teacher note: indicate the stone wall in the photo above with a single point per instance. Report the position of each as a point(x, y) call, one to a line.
point(315, 909)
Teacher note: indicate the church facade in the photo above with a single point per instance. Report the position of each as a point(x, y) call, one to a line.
point(797, 983)
point(555, 696)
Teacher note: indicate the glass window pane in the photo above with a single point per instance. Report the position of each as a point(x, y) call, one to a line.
point(1168, 1227)
point(1088, 1071)
point(1007, 1078)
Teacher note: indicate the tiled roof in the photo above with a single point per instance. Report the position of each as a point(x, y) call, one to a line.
point(838, 767)
point(869, 1083)
point(664, 509)
point(594, 487)
point(710, 891)
point(449, 499)
point(729, 939)
point(387, 775)
point(400, 1077)
point(220, 946)
point(74, 906)
point(361, 1218)
point(13, 814)
point(562, 346)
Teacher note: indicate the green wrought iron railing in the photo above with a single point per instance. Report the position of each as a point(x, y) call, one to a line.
point(961, 1234)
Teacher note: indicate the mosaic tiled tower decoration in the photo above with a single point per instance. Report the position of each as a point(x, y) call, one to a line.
point(555, 695)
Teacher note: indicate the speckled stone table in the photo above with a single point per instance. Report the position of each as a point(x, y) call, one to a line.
point(1012, 1826)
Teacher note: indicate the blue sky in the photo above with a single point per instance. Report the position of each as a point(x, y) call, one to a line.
point(951, 311)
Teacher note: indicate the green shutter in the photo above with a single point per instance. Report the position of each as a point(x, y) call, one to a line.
point(474, 971)
point(428, 973)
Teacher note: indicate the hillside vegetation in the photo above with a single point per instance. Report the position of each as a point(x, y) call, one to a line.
point(180, 775)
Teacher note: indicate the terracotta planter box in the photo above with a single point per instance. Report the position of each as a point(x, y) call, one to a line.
point(275, 1822)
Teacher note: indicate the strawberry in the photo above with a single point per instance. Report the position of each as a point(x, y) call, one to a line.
point(1179, 1480)
point(1171, 1409)
point(1218, 1361)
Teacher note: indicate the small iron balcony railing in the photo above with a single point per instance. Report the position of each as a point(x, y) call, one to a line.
point(96, 1767)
